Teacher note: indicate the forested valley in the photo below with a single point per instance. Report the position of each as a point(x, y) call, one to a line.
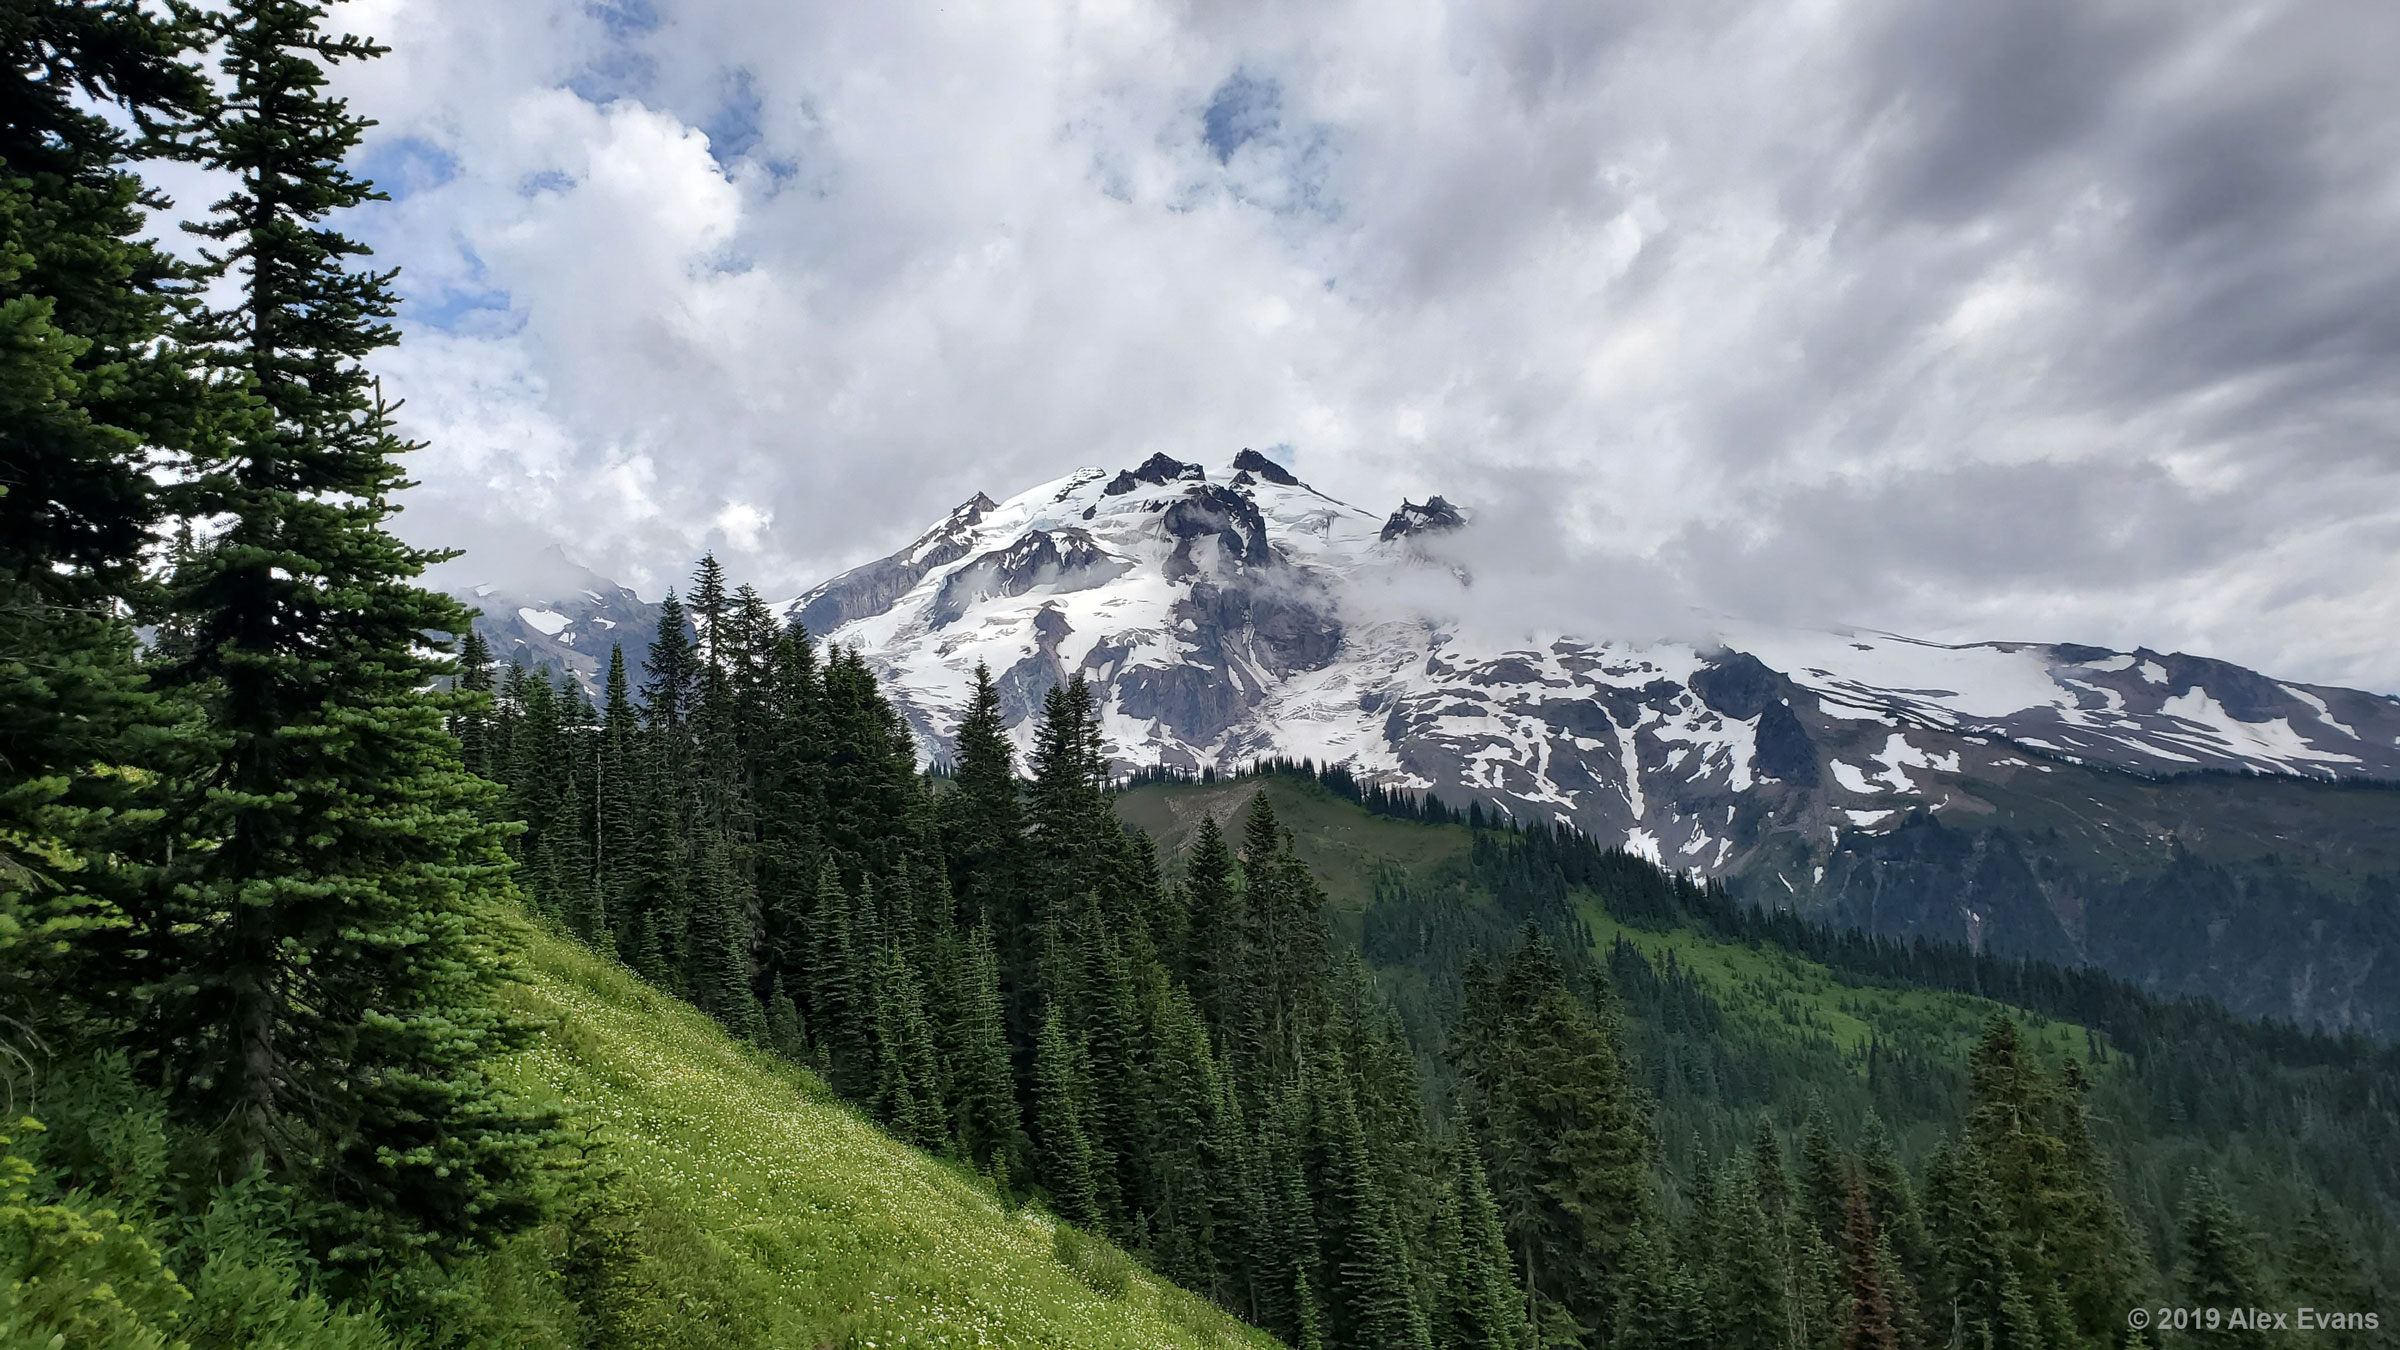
point(282, 848)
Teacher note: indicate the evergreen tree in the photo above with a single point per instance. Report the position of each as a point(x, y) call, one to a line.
point(1872, 1324)
point(571, 878)
point(472, 724)
point(837, 1002)
point(719, 947)
point(1067, 1168)
point(1974, 1295)
point(90, 397)
point(616, 798)
point(1824, 1176)
point(1751, 1303)
point(1567, 1139)
point(982, 817)
point(1187, 1158)
point(2219, 1269)
point(652, 897)
point(1369, 1298)
point(908, 1086)
point(2066, 1230)
point(1487, 1310)
point(670, 696)
point(988, 1119)
point(2324, 1271)
point(1215, 927)
point(1769, 1182)
point(325, 996)
point(1891, 1200)
point(1285, 1295)
point(785, 1034)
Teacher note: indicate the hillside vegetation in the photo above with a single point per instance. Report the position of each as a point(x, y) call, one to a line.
point(1733, 1015)
point(766, 1213)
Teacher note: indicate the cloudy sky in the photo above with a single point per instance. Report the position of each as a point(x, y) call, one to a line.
point(2051, 319)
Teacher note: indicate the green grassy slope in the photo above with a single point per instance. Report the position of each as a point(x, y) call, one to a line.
point(1768, 993)
point(1342, 843)
point(1771, 997)
point(774, 1216)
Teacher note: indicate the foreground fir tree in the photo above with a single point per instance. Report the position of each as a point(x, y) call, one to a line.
point(330, 951)
point(88, 395)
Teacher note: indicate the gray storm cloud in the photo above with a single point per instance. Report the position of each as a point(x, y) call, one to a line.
point(2045, 320)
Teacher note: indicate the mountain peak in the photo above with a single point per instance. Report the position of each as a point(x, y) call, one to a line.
point(1250, 461)
point(1434, 517)
point(1159, 469)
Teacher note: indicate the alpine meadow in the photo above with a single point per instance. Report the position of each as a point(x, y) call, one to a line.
point(1116, 918)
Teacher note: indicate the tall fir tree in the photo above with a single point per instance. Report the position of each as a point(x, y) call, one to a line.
point(985, 1083)
point(1214, 926)
point(1872, 1323)
point(1060, 1091)
point(91, 398)
point(1487, 1311)
point(2220, 1267)
point(1566, 1135)
point(472, 723)
point(324, 996)
point(1370, 1296)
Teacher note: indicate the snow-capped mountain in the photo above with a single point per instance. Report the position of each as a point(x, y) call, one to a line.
point(569, 626)
point(2049, 799)
point(1226, 613)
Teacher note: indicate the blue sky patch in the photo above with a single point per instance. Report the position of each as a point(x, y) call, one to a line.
point(404, 167)
point(732, 129)
point(458, 308)
point(1241, 110)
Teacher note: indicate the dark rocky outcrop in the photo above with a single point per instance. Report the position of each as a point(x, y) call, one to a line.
point(1250, 461)
point(1433, 517)
point(1741, 687)
point(1158, 471)
point(1209, 511)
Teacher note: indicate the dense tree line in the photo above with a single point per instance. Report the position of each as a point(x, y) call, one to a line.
point(991, 965)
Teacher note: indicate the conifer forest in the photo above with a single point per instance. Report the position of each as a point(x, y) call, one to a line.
point(297, 876)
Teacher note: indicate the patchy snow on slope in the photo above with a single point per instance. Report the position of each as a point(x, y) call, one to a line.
point(547, 622)
point(1852, 778)
point(1897, 754)
point(1880, 670)
point(2218, 729)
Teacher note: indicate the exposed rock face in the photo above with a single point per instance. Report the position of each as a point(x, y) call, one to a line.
point(1252, 462)
point(872, 589)
point(569, 628)
point(1067, 560)
point(1157, 470)
point(1434, 516)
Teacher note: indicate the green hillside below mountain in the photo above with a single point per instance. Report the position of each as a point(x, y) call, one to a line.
point(1734, 1014)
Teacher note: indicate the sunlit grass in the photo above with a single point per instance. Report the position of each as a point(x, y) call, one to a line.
point(807, 1226)
point(1774, 994)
